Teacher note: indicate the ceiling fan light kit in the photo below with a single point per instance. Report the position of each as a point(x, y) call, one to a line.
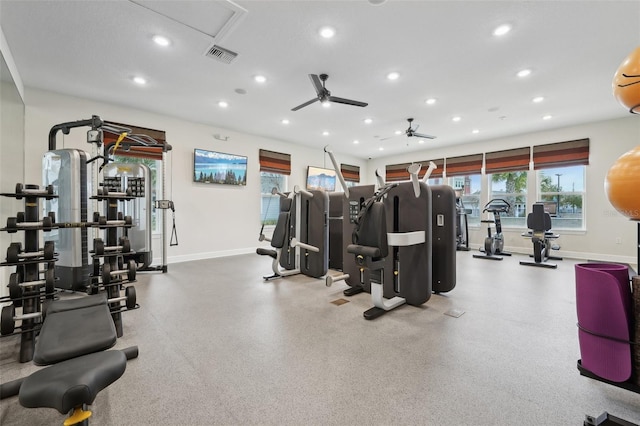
point(323, 95)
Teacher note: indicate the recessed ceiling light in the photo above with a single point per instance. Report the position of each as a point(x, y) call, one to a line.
point(140, 80)
point(223, 104)
point(398, 132)
point(356, 142)
point(502, 30)
point(537, 99)
point(381, 149)
point(368, 121)
point(393, 75)
point(456, 118)
point(475, 131)
point(524, 73)
point(430, 101)
point(327, 32)
point(377, 2)
point(285, 121)
point(420, 141)
point(161, 40)
point(326, 104)
point(260, 78)
point(325, 133)
point(547, 117)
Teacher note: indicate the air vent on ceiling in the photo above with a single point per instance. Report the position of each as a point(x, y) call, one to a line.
point(221, 54)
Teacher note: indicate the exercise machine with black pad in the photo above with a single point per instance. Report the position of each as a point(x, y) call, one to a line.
point(300, 238)
point(539, 224)
point(411, 222)
point(493, 248)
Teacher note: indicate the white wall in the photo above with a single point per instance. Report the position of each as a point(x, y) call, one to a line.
point(608, 140)
point(211, 220)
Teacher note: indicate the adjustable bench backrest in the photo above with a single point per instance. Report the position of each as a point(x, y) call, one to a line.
point(282, 226)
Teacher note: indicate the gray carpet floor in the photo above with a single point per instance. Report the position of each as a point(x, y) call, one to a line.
point(218, 345)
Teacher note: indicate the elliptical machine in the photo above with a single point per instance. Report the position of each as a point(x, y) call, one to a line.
point(494, 243)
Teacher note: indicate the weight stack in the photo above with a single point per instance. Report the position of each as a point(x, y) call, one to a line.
point(66, 170)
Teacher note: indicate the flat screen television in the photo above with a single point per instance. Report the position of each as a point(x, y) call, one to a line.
point(321, 178)
point(219, 167)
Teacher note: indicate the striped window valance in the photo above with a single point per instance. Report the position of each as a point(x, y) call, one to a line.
point(350, 173)
point(561, 154)
point(511, 160)
point(130, 146)
point(275, 162)
point(437, 173)
point(465, 165)
point(396, 172)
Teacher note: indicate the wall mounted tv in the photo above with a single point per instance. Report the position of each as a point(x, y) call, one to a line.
point(320, 178)
point(218, 167)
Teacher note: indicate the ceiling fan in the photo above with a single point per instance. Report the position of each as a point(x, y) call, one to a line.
point(323, 95)
point(412, 132)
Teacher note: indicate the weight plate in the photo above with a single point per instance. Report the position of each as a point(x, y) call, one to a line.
point(49, 250)
point(128, 220)
point(130, 293)
point(15, 291)
point(12, 223)
point(106, 273)
point(131, 270)
point(120, 216)
point(126, 245)
point(98, 246)
point(19, 188)
point(20, 217)
point(13, 252)
point(50, 280)
point(52, 215)
point(7, 324)
point(96, 216)
point(46, 223)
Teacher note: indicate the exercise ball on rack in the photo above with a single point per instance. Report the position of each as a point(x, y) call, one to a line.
point(626, 82)
point(622, 182)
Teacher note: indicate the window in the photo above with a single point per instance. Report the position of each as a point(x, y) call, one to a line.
point(468, 188)
point(156, 188)
point(269, 203)
point(561, 189)
point(512, 187)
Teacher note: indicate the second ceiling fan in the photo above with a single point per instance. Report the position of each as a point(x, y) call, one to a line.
point(324, 95)
point(410, 132)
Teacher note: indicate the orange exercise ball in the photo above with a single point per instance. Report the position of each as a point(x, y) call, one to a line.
point(622, 184)
point(626, 82)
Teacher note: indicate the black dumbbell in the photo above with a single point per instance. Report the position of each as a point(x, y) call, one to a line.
point(127, 221)
point(99, 248)
point(13, 224)
point(129, 298)
point(8, 319)
point(107, 273)
point(21, 190)
point(14, 252)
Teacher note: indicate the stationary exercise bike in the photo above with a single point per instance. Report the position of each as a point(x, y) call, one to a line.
point(494, 243)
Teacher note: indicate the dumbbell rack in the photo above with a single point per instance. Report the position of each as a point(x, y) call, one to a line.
point(25, 284)
point(109, 274)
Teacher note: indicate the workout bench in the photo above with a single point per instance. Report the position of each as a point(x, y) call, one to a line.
point(73, 337)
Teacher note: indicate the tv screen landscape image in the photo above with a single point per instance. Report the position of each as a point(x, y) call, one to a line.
point(321, 178)
point(218, 167)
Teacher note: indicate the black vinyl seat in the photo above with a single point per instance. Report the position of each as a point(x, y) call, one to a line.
point(72, 383)
point(370, 236)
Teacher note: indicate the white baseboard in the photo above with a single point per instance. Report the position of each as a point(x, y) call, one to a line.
point(202, 256)
point(631, 260)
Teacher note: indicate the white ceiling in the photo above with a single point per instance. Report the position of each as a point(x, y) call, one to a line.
point(442, 49)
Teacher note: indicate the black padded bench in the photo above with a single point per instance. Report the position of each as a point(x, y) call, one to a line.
point(73, 337)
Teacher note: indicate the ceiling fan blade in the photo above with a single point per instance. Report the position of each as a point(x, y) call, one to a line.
point(305, 104)
point(347, 101)
point(317, 84)
point(421, 135)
